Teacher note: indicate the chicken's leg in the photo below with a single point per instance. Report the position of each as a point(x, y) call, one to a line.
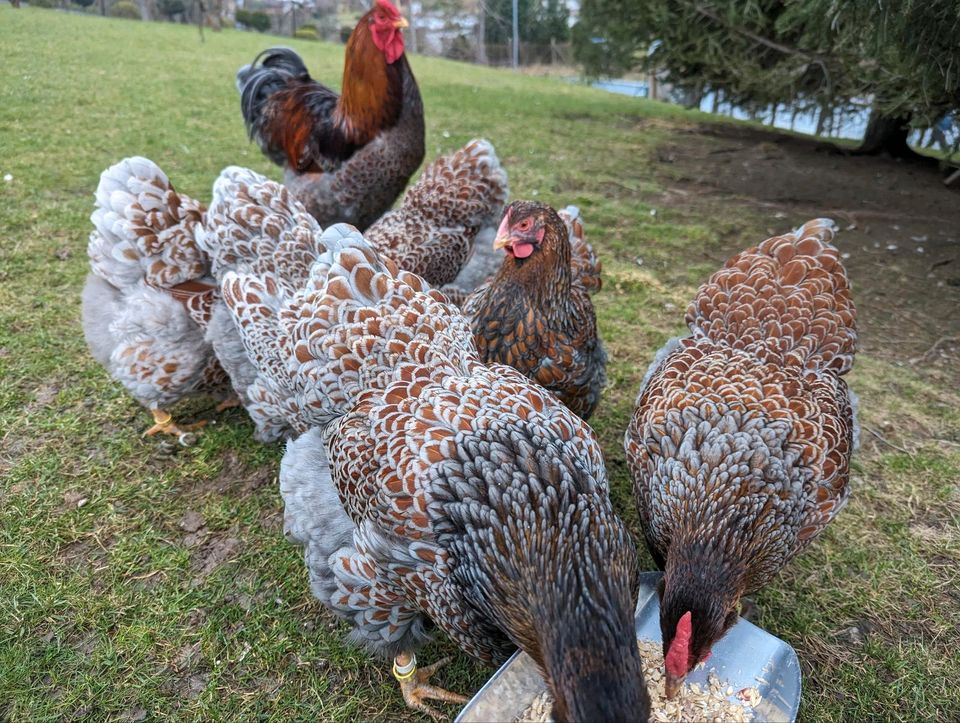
point(228, 404)
point(413, 684)
point(164, 424)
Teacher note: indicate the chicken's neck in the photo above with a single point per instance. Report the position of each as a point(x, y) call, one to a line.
point(372, 93)
point(705, 579)
point(593, 667)
point(578, 622)
point(543, 280)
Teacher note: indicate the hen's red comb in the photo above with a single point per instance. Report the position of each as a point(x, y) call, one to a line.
point(679, 653)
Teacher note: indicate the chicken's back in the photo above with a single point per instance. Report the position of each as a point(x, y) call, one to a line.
point(743, 430)
point(787, 300)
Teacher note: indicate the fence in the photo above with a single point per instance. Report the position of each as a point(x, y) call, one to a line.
point(531, 54)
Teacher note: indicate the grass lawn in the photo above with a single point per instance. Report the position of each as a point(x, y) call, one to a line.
point(142, 580)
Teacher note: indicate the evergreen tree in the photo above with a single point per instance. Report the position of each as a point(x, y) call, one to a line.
point(539, 21)
point(903, 57)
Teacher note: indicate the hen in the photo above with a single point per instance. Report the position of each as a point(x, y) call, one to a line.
point(741, 441)
point(348, 156)
point(148, 299)
point(433, 487)
point(535, 314)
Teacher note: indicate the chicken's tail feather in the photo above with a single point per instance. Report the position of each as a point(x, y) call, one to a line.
point(435, 230)
point(144, 229)
point(787, 300)
point(362, 323)
point(256, 225)
point(281, 104)
point(583, 260)
point(465, 188)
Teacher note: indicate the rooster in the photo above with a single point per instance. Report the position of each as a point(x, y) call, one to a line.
point(535, 314)
point(740, 444)
point(348, 156)
point(149, 296)
point(433, 487)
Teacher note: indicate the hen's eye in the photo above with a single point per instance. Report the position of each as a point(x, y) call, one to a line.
point(524, 225)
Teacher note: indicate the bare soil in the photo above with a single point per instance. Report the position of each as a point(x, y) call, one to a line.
point(900, 227)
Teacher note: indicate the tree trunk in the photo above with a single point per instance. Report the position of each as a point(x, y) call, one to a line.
point(694, 97)
point(821, 120)
point(412, 30)
point(886, 135)
point(482, 34)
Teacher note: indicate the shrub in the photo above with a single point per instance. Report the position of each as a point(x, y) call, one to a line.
point(306, 32)
point(125, 9)
point(43, 3)
point(169, 8)
point(83, 3)
point(254, 20)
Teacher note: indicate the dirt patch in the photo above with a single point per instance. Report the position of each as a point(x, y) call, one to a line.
point(88, 555)
point(236, 478)
point(188, 687)
point(73, 500)
point(213, 552)
point(192, 521)
point(900, 227)
point(187, 657)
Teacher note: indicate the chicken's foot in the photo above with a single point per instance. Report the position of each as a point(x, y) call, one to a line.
point(164, 424)
point(414, 686)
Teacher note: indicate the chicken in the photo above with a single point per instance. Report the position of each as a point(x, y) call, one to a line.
point(535, 314)
point(148, 298)
point(348, 156)
point(740, 444)
point(485, 260)
point(430, 486)
point(434, 231)
point(257, 226)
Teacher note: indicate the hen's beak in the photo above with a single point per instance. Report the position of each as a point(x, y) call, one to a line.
point(672, 686)
point(502, 239)
point(401, 23)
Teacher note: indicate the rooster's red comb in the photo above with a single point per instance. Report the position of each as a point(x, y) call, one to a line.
point(388, 6)
point(679, 653)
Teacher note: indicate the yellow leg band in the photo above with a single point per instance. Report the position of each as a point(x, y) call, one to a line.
point(162, 417)
point(405, 672)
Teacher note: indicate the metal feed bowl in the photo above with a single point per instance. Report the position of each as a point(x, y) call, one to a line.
point(746, 657)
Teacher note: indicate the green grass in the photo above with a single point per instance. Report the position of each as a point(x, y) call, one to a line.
point(130, 605)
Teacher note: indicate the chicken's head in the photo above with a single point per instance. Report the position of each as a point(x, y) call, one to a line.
point(529, 227)
point(386, 23)
point(690, 627)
